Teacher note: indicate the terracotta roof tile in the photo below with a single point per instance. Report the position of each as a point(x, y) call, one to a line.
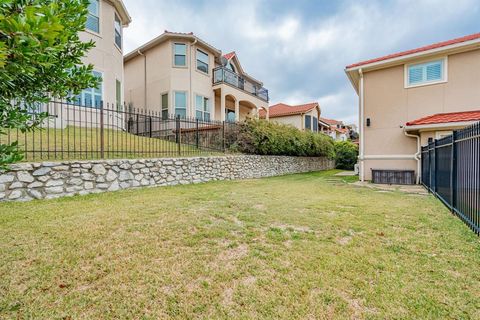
point(421, 49)
point(229, 55)
point(282, 109)
point(447, 118)
point(330, 121)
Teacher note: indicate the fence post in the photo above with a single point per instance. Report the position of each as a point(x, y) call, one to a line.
point(177, 133)
point(102, 141)
point(150, 125)
point(435, 166)
point(453, 172)
point(223, 136)
point(196, 134)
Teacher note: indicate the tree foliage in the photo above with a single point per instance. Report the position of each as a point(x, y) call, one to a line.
point(40, 59)
point(346, 154)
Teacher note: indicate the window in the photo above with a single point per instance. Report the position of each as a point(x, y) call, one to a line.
point(308, 122)
point(180, 54)
point(118, 31)
point(229, 115)
point(165, 106)
point(202, 61)
point(202, 108)
point(91, 97)
point(118, 94)
point(181, 104)
point(315, 124)
point(426, 73)
point(93, 20)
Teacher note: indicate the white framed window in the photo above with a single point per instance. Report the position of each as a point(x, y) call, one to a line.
point(315, 124)
point(308, 122)
point(426, 73)
point(118, 31)
point(180, 54)
point(93, 18)
point(202, 61)
point(202, 108)
point(91, 97)
point(165, 106)
point(118, 94)
point(180, 103)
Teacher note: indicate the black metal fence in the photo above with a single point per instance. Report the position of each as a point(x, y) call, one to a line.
point(451, 171)
point(112, 131)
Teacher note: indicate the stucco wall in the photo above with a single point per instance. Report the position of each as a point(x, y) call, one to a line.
point(59, 179)
point(105, 56)
point(389, 105)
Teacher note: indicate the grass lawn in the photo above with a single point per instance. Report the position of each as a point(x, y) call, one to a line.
point(306, 246)
point(75, 143)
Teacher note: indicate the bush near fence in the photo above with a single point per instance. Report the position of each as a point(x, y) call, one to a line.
point(270, 138)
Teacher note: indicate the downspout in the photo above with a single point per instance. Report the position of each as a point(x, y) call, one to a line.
point(362, 129)
point(417, 154)
point(144, 78)
point(190, 94)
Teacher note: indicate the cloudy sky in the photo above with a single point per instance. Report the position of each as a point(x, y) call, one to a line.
point(299, 48)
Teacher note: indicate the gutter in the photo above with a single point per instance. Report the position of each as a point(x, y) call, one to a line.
point(416, 156)
point(144, 78)
point(361, 128)
point(190, 74)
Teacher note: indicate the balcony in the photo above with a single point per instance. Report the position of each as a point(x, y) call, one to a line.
point(223, 75)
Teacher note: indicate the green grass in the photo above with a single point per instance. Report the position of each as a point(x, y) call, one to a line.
point(75, 143)
point(307, 246)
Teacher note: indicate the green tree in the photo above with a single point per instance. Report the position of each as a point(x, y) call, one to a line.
point(346, 154)
point(40, 59)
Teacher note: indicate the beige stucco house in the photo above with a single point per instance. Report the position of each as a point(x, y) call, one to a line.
point(303, 117)
point(334, 128)
point(105, 22)
point(408, 97)
point(180, 74)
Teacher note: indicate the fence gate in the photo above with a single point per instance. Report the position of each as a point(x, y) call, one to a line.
point(451, 171)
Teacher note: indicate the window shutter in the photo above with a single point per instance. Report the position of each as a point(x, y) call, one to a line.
point(434, 71)
point(415, 74)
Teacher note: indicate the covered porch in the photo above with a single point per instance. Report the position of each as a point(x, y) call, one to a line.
point(232, 104)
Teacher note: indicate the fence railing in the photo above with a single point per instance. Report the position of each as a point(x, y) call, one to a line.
point(118, 131)
point(223, 75)
point(451, 171)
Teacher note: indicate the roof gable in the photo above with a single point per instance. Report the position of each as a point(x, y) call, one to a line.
point(282, 109)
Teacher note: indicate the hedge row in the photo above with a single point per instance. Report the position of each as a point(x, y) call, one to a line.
point(270, 138)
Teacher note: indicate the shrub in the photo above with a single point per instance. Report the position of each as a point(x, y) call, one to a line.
point(270, 138)
point(346, 154)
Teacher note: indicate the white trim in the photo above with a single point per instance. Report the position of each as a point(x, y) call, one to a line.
point(186, 102)
point(440, 125)
point(426, 83)
point(99, 20)
point(196, 62)
point(362, 126)
point(414, 55)
point(443, 133)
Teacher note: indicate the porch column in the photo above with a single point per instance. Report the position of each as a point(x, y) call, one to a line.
point(237, 110)
point(222, 107)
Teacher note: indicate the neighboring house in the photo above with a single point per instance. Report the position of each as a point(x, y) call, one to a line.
point(180, 74)
point(334, 128)
point(105, 22)
point(303, 117)
point(408, 97)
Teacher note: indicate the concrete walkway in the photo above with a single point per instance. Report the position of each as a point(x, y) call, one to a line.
point(412, 189)
point(345, 174)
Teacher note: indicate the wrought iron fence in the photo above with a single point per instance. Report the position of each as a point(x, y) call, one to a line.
point(451, 171)
point(110, 131)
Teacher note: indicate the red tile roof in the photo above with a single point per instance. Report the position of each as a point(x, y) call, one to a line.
point(282, 109)
point(330, 121)
point(421, 49)
point(447, 118)
point(229, 55)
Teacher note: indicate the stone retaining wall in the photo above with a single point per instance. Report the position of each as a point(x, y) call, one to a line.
point(47, 180)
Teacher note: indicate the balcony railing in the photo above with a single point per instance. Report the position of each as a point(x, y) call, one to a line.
point(223, 75)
